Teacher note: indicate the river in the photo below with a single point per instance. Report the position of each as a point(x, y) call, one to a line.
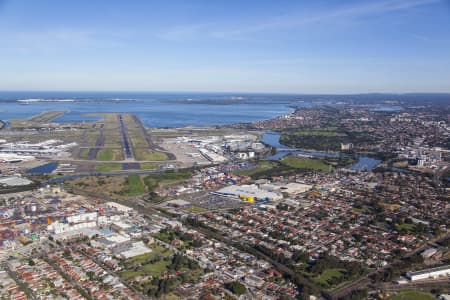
point(272, 138)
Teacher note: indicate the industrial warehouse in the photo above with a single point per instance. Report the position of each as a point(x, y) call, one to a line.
point(433, 273)
point(249, 193)
point(23, 151)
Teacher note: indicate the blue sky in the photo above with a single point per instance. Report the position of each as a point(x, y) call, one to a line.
point(248, 46)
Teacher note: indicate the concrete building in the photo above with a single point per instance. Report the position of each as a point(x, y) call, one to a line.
point(211, 156)
point(14, 181)
point(429, 253)
point(84, 217)
point(254, 281)
point(346, 147)
point(432, 273)
point(58, 227)
point(119, 206)
point(132, 250)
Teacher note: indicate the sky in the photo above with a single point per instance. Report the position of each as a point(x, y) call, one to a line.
point(281, 46)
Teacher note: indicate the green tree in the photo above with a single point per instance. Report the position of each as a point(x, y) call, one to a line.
point(236, 288)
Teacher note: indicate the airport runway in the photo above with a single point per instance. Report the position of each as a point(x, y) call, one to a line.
point(98, 145)
point(126, 143)
point(149, 140)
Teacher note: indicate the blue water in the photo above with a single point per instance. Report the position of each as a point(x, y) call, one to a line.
point(365, 163)
point(271, 138)
point(387, 108)
point(155, 110)
point(43, 169)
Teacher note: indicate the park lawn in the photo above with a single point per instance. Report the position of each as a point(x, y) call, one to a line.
point(108, 167)
point(135, 186)
point(162, 236)
point(145, 154)
point(305, 163)
point(160, 250)
point(138, 259)
point(413, 295)
point(156, 269)
point(149, 166)
point(328, 274)
point(194, 209)
point(125, 275)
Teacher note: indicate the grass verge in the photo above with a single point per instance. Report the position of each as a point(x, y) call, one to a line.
point(108, 167)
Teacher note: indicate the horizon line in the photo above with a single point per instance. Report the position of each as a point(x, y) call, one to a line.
point(232, 92)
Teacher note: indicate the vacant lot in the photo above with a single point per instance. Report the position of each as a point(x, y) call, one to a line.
point(260, 167)
point(105, 185)
point(156, 180)
point(133, 186)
